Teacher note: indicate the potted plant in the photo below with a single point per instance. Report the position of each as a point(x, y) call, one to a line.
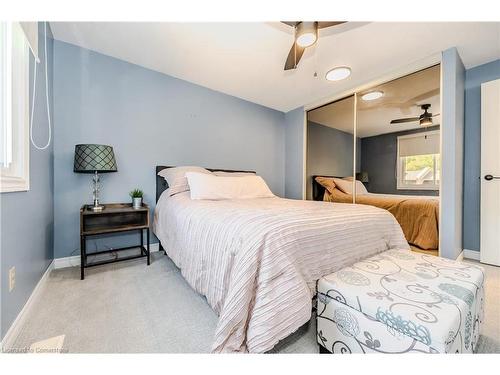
point(136, 196)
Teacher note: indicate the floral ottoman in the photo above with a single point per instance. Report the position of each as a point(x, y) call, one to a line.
point(399, 302)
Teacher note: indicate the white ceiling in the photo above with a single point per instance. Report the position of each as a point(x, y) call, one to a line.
point(402, 98)
point(246, 59)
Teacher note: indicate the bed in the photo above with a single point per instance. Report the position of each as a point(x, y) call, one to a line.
point(257, 260)
point(417, 215)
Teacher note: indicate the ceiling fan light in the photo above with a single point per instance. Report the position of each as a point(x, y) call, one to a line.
point(306, 34)
point(306, 40)
point(338, 73)
point(372, 95)
point(426, 121)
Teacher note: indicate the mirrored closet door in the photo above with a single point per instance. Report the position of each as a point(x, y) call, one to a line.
point(382, 148)
point(398, 127)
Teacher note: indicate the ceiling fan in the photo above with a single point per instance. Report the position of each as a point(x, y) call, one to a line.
point(306, 34)
point(425, 119)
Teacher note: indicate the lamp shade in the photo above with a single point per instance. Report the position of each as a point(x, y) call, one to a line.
point(90, 158)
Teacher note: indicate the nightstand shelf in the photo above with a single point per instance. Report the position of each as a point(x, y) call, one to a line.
point(114, 218)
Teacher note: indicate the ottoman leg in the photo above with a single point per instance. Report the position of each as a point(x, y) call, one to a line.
point(323, 350)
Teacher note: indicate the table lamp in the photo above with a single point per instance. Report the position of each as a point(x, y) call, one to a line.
point(363, 177)
point(91, 158)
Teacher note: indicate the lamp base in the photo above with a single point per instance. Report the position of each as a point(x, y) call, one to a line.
point(97, 208)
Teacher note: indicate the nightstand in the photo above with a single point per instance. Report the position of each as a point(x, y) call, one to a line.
point(114, 218)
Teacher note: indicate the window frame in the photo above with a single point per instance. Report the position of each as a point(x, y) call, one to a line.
point(400, 185)
point(15, 176)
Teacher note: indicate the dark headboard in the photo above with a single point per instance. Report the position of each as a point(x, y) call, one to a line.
point(161, 184)
point(319, 190)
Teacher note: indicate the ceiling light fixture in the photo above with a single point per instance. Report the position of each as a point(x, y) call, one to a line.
point(426, 121)
point(339, 73)
point(306, 34)
point(372, 95)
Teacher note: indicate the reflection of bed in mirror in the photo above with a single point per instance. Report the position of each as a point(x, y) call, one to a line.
point(417, 215)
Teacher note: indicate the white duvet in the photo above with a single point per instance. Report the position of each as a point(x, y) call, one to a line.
point(257, 260)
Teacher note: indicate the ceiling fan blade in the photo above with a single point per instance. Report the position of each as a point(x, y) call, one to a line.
point(437, 114)
point(294, 56)
point(321, 24)
point(324, 24)
point(403, 120)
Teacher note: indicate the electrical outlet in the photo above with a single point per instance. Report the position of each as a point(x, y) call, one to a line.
point(12, 278)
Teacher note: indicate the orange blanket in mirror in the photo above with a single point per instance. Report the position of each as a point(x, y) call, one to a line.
point(419, 218)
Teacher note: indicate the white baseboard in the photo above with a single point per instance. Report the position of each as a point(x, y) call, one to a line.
point(14, 330)
point(471, 254)
point(65, 262)
point(74, 261)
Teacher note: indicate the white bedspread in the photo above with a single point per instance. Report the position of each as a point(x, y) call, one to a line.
point(257, 260)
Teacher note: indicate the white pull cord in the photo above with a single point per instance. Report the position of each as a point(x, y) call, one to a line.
point(46, 95)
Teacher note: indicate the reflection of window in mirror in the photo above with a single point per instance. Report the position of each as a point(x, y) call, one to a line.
point(419, 159)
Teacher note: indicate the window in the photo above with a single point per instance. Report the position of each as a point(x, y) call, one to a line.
point(419, 161)
point(14, 108)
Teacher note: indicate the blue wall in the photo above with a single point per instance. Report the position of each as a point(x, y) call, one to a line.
point(472, 150)
point(294, 153)
point(150, 119)
point(329, 152)
point(27, 217)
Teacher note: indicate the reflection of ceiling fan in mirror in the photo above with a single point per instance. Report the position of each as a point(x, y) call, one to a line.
point(306, 34)
point(425, 119)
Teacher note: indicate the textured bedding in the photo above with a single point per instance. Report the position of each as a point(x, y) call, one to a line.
point(257, 260)
point(419, 217)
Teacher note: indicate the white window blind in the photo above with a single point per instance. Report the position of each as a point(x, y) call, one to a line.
point(419, 144)
point(6, 97)
point(14, 115)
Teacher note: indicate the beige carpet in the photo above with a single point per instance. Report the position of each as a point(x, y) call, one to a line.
point(51, 345)
point(131, 308)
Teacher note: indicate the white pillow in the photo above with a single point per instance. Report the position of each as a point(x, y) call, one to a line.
point(204, 186)
point(360, 188)
point(176, 178)
point(345, 185)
